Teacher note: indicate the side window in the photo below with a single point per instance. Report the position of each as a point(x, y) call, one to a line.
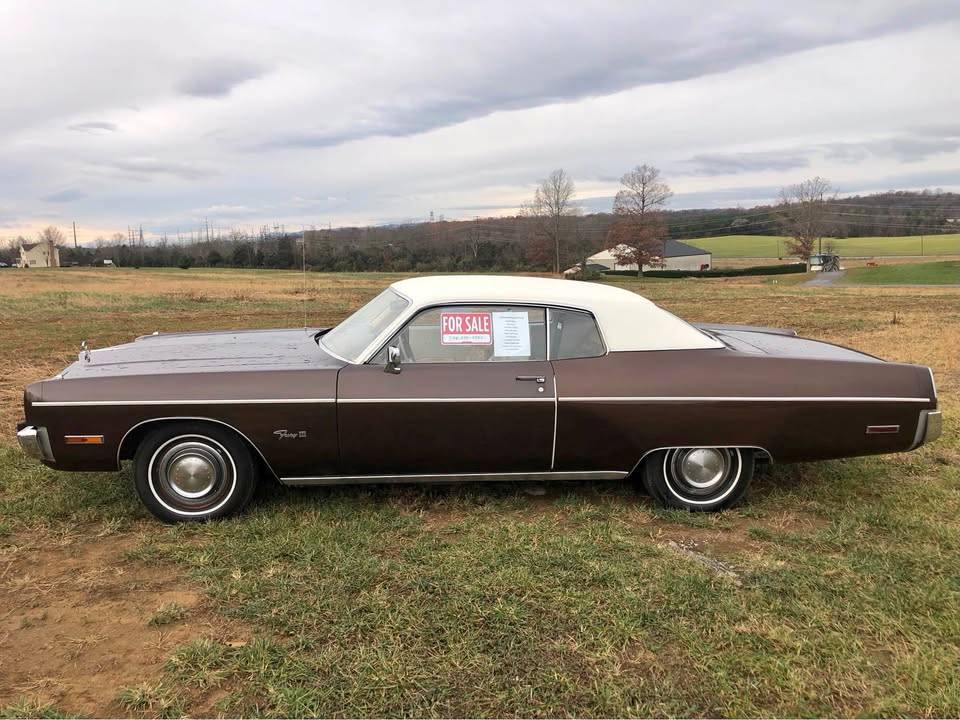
point(574, 334)
point(472, 333)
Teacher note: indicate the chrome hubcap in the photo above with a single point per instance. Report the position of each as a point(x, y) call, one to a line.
point(192, 476)
point(701, 475)
point(192, 470)
point(703, 468)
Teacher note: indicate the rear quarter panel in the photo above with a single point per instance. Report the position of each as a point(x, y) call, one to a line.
point(613, 409)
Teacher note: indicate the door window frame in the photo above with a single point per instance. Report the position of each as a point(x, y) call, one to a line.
point(547, 308)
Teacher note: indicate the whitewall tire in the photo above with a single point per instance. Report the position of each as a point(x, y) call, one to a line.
point(698, 478)
point(194, 471)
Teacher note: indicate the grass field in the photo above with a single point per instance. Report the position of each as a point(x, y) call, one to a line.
point(836, 593)
point(931, 273)
point(772, 246)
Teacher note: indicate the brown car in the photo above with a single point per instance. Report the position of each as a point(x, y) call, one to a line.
point(444, 379)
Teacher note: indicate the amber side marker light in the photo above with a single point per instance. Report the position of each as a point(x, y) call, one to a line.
point(83, 439)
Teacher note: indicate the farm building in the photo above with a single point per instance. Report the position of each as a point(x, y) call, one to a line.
point(676, 256)
point(42, 254)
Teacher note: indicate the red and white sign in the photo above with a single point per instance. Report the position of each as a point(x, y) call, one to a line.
point(466, 328)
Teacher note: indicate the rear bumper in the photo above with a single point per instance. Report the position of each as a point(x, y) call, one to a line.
point(35, 442)
point(929, 427)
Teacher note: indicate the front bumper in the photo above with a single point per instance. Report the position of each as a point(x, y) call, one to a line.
point(35, 442)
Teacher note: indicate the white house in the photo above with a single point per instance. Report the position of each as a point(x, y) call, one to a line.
point(42, 254)
point(676, 256)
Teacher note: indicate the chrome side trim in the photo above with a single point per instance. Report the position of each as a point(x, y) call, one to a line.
point(556, 415)
point(445, 400)
point(35, 442)
point(253, 401)
point(724, 398)
point(197, 419)
point(455, 477)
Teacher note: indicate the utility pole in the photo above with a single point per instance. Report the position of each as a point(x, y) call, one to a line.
point(74, 234)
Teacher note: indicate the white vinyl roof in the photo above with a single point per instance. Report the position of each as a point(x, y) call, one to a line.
point(627, 320)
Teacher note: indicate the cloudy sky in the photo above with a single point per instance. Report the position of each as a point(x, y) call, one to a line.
point(308, 113)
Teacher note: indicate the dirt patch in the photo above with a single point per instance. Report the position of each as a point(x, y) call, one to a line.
point(74, 620)
point(724, 535)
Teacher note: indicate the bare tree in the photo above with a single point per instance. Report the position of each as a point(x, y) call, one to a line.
point(552, 205)
point(51, 235)
point(804, 212)
point(638, 231)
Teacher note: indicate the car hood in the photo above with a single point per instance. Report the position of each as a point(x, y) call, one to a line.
point(223, 351)
point(781, 343)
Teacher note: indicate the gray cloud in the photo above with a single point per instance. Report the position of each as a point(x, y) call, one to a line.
point(216, 78)
point(65, 196)
point(148, 167)
point(731, 163)
point(564, 61)
point(94, 126)
point(903, 148)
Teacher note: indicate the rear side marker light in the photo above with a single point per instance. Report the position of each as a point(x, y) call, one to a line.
point(882, 429)
point(83, 439)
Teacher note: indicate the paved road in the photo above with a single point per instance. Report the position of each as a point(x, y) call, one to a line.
point(825, 278)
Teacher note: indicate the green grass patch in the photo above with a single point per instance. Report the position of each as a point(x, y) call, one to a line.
point(774, 246)
point(24, 708)
point(152, 700)
point(931, 273)
point(167, 614)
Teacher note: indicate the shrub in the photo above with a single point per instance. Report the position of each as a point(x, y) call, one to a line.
point(728, 272)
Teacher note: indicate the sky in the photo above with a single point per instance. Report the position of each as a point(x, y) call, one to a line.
point(169, 114)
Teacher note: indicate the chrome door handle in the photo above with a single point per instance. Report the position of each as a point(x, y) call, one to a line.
point(539, 379)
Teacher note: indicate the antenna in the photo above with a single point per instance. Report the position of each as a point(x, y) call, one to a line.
point(303, 259)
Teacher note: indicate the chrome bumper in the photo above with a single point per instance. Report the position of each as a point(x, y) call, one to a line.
point(928, 428)
point(35, 442)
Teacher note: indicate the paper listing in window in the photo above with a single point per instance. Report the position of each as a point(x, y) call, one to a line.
point(511, 334)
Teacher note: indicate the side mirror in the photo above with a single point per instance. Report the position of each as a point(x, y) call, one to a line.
point(393, 360)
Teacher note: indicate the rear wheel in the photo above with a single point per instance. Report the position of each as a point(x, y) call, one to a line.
point(192, 471)
point(699, 478)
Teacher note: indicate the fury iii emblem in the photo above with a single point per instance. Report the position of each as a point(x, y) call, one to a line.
point(285, 434)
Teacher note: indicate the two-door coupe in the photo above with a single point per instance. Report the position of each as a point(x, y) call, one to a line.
point(442, 379)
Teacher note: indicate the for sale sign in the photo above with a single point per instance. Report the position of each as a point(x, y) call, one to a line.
point(466, 328)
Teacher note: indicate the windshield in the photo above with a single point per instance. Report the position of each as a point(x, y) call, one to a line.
point(354, 335)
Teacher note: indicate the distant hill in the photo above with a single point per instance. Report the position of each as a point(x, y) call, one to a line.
point(882, 214)
point(507, 244)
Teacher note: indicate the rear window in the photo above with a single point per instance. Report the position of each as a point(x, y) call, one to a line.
point(574, 334)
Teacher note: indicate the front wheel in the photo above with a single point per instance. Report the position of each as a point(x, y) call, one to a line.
point(194, 471)
point(699, 478)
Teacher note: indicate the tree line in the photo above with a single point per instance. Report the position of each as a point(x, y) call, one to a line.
point(551, 232)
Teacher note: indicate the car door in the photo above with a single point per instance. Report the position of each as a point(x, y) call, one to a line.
point(474, 394)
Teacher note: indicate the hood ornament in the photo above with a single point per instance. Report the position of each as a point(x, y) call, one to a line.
point(84, 351)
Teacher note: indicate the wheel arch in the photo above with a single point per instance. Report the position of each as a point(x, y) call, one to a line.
point(135, 435)
point(761, 454)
